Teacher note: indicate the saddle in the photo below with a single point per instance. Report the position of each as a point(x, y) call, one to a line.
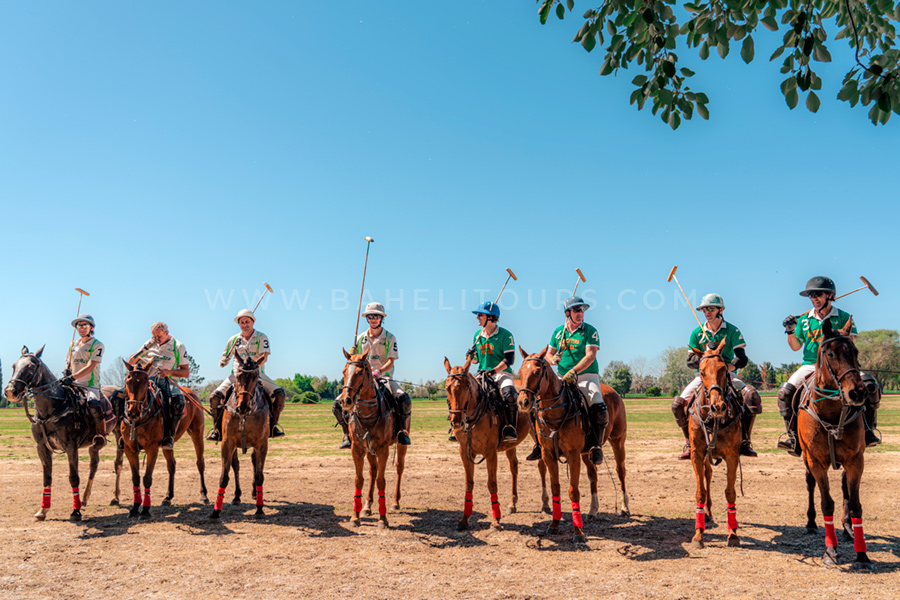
point(491, 391)
point(79, 402)
point(230, 399)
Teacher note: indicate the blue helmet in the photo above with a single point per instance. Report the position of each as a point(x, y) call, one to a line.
point(575, 301)
point(488, 308)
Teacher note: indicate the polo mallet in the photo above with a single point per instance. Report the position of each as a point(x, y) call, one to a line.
point(511, 274)
point(670, 278)
point(82, 294)
point(579, 280)
point(369, 241)
point(865, 281)
point(268, 289)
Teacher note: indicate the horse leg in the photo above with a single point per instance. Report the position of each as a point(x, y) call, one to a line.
point(135, 481)
point(853, 471)
point(358, 462)
point(259, 462)
point(575, 494)
point(373, 474)
point(229, 461)
point(820, 472)
point(469, 468)
point(117, 467)
point(491, 462)
point(592, 479)
point(169, 455)
point(401, 464)
point(553, 467)
point(732, 460)
point(514, 471)
point(545, 497)
point(847, 523)
point(709, 514)
point(196, 433)
point(47, 465)
point(236, 467)
point(74, 481)
point(811, 506)
point(700, 462)
point(618, 447)
point(94, 454)
point(152, 454)
point(382, 506)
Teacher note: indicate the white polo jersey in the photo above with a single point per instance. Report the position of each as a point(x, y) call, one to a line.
point(80, 354)
point(169, 355)
point(257, 347)
point(381, 349)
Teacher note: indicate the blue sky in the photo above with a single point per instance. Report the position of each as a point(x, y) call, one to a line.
point(160, 154)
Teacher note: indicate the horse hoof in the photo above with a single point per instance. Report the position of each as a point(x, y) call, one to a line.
point(546, 510)
point(734, 541)
point(831, 558)
point(496, 527)
point(812, 530)
point(863, 563)
point(114, 502)
point(40, 516)
point(144, 517)
point(552, 530)
point(382, 525)
point(215, 515)
point(132, 514)
point(204, 500)
point(396, 506)
point(462, 526)
point(75, 516)
point(848, 537)
point(698, 544)
point(511, 510)
point(625, 513)
point(259, 512)
point(166, 502)
point(367, 512)
point(236, 501)
point(354, 522)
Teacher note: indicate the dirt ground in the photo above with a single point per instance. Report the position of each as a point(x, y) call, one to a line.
point(305, 548)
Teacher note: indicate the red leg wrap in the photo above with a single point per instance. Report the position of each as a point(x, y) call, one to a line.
point(137, 495)
point(495, 507)
point(76, 499)
point(732, 516)
point(467, 506)
point(45, 500)
point(259, 495)
point(859, 538)
point(220, 498)
point(357, 501)
point(382, 505)
point(146, 498)
point(700, 520)
point(557, 509)
point(830, 537)
point(576, 515)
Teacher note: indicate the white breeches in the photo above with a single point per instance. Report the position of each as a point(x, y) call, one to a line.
point(800, 375)
point(589, 384)
point(504, 380)
point(267, 383)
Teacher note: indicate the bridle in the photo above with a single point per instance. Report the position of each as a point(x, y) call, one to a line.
point(463, 410)
point(353, 395)
point(707, 391)
point(243, 396)
point(824, 393)
point(544, 368)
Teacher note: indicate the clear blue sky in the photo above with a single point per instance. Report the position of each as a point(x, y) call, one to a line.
point(158, 154)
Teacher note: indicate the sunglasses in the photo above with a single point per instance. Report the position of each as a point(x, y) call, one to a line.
point(83, 325)
point(816, 294)
point(577, 309)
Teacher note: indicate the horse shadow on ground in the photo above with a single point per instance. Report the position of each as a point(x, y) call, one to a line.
point(317, 520)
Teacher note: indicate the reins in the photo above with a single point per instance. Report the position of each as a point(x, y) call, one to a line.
point(469, 422)
point(367, 422)
point(562, 401)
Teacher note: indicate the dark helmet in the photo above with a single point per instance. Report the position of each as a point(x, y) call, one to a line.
point(488, 308)
point(819, 284)
point(574, 301)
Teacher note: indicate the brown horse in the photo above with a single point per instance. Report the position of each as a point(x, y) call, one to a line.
point(371, 424)
point(832, 433)
point(142, 429)
point(560, 427)
point(715, 433)
point(477, 427)
point(245, 424)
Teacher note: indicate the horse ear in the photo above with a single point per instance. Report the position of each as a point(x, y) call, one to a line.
point(721, 345)
point(24, 350)
point(544, 351)
point(447, 365)
point(847, 328)
point(128, 365)
point(365, 353)
point(467, 365)
point(696, 351)
point(827, 331)
point(39, 352)
point(240, 361)
point(523, 353)
point(346, 354)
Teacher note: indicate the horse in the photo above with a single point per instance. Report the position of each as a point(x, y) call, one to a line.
point(478, 435)
point(245, 423)
point(832, 433)
point(559, 420)
point(60, 424)
point(142, 429)
point(371, 424)
point(715, 433)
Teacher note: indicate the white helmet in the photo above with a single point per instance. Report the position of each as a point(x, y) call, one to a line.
point(374, 308)
point(83, 318)
point(246, 312)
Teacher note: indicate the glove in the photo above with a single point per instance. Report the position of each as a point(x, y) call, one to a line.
point(790, 323)
point(693, 361)
point(223, 362)
point(570, 376)
point(485, 371)
point(470, 353)
point(67, 380)
point(67, 372)
point(376, 374)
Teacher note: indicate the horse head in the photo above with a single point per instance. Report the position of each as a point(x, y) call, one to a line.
point(357, 377)
point(714, 379)
point(535, 377)
point(245, 382)
point(462, 391)
point(137, 390)
point(837, 366)
point(28, 372)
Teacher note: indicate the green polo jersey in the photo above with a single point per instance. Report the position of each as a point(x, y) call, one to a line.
point(571, 347)
point(491, 349)
point(809, 331)
point(726, 331)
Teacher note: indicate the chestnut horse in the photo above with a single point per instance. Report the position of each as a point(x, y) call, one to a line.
point(60, 424)
point(477, 429)
point(560, 427)
point(245, 424)
point(371, 422)
point(142, 429)
point(832, 433)
point(715, 433)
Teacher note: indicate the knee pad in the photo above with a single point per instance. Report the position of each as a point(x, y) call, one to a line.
point(751, 400)
point(785, 400)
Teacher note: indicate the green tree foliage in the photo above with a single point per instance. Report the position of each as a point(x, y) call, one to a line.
point(879, 353)
point(645, 34)
point(304, 383)
point(750, 374)
point(621, 381)
point(654, 391)
point(195, 382)
point(309, 398)
point(676, 373)
point(610, 371)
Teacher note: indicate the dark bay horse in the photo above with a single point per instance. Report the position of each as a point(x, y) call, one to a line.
point(142, 429)
point(477, 429)
point(60, 424)
point(715, 433)
point(245, 424)
point(560, 427)
point(832, 434)
point(371, 424)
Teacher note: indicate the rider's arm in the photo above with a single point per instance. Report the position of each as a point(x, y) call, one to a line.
point(793, 342)
point(183, 371)
point(388, 365)
point(590, 353)
point(551, 357)
point(262, 361)
point(86, 371)
point(740, 359)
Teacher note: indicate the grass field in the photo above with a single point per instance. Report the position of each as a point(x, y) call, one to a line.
point(311, 430)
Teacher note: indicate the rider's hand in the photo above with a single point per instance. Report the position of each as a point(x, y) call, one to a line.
point(570, 376)
point(376, 374)
point(790, 323)
point(67, 379)
point(470, 353)
point(223, 363)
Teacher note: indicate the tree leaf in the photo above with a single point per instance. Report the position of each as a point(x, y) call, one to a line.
point(703, 111)
point(884, 102)
point(668, 68)
point(544, 11)
point(769, 23)
point(570, 4)
point(791, 97)
point(639, 80)
point(822, 54)
point(723, 49)
point(704, 51)
point(812, 102)
point(747, 50)
point(560, 12)
point(588, 42)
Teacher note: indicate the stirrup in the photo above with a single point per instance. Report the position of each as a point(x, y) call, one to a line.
point(403, 438)
point(872, 438)
point(787, 441)
point(277, 431)
point(685, 452)
point(121, 443)
point(345, 443)
point(99, 441)
point(597, 455)
point(510, 433)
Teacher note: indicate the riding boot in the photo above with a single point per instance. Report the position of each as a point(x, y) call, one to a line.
point(686, 452)
point(746, 449)
point(338, 413)
point(786, 407)
point(168, 441)
point(599, 421)
point(536, 451)
point(679, 405)
point(512, 415)
point(871, 416)
point(176, 413)
point(117, 399)
point(96, 412)
point(404, 414)
point(278, 399)
point(215, 407)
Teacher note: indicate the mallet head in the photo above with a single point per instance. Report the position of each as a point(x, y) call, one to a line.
point(81, 291)
point(268, 287)
point(869, 285)
point(672, 273)
point(580, 275)
point(511, 274)
point(370, 239)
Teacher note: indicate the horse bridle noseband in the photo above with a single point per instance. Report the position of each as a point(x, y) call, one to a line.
point(837, 380)
point(357, 401)
point(708, 390)
point(544, 368)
